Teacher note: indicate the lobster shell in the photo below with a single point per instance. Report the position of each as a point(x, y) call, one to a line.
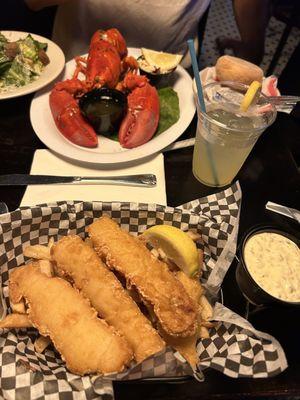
point(141, 120)
point(67, 115)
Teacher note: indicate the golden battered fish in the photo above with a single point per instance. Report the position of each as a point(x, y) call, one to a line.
point(175, 310)
point(96, 282)
point(56, 309)
point(187, 346)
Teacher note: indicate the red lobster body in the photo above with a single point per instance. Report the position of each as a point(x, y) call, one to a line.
point(114, 37)
point(104, 70)
point(106, 62)
point(104, 59)
point(141, 120)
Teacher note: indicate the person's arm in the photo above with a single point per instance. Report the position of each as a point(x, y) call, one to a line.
point(36, 5)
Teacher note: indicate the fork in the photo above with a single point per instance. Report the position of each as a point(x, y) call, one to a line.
point(287, 211)
point(281, 103)
point(284, 102)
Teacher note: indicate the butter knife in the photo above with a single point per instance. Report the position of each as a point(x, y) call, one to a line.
point(283, 210)
point(147, 180)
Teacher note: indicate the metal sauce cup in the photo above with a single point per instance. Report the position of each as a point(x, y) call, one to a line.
point(251, 290)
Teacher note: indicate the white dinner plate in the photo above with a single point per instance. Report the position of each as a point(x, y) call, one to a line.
point(51, 71)
point(109, 151)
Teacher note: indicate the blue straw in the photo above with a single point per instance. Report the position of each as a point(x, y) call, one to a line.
point(190, 43)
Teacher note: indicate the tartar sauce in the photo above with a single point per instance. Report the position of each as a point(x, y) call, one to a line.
point(273, 261)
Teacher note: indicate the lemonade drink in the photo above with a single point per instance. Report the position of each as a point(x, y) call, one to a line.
point(224, 140)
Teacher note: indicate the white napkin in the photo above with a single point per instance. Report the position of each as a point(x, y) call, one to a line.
point(46, 162)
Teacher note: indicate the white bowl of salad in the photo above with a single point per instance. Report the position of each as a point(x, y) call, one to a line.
point(28, 62)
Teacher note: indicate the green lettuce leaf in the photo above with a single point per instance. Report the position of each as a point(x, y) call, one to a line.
point(17, 74)
point(5, 63)
point(169, 109)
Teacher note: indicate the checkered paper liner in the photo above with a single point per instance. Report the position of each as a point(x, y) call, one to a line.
point(234, 347)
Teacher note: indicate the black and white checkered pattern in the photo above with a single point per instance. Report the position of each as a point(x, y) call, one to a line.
point(232, 349)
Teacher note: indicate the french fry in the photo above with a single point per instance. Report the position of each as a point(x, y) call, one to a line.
point(162, 254)
point(155, 253)
point(200, 254)
point(195, 236)
point(37, 252)
point(41, 343)
point(203, 332)
point(12, 321)
point(159, 253)
point(46, 267)
point(18, 307)
point(207, 310)
point(50, 243)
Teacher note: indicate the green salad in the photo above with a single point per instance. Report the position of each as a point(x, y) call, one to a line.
point(21, 61)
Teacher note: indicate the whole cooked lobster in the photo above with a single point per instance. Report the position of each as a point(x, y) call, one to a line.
point(107, 65)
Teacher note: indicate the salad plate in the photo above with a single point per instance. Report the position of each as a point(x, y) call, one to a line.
point(109, 151)
point(46, 75)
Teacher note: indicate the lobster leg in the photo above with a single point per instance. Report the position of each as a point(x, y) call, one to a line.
point(141, 120)
point(67, 116)
point(79, 66)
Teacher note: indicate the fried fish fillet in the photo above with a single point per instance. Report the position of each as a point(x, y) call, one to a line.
point(175, 310)
point(96, 282)
point(187, 346)
point(56, 309)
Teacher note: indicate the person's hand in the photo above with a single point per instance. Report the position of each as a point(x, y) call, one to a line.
point(36, 5)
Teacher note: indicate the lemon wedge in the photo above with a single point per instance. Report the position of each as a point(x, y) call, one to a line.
point(251, 95)
point(177, 246)
point(161, 60)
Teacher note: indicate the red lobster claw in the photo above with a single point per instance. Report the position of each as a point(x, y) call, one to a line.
point(141, 120)
point(67, 116)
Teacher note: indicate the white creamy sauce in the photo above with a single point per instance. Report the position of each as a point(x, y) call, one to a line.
point(273, 261)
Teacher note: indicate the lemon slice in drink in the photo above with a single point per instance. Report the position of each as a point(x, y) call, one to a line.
point(251, 95)
point(177, 246)
point(161, 60)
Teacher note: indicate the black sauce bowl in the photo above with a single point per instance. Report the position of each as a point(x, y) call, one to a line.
point(248, 286)
point(104, 109)
point(159, 80)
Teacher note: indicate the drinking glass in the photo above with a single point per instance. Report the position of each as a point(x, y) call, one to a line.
point(225, 135)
